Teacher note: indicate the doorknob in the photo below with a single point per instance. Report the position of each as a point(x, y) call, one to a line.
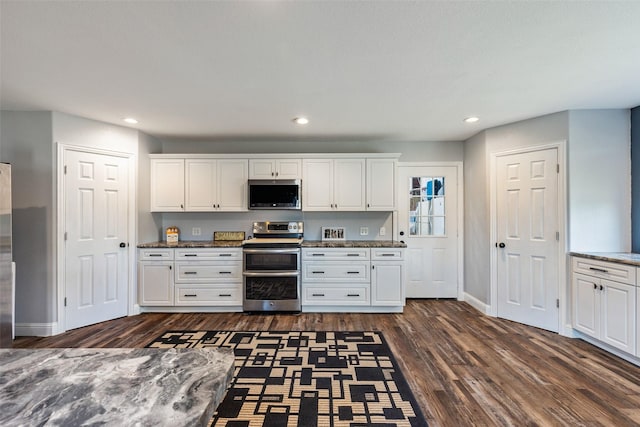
point(500, 245)
point(402, 233)
point(123, 245)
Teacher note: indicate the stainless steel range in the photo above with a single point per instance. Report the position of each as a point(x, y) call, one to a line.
point(271, 267)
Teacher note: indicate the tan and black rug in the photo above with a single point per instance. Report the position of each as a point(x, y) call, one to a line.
point(307, 379)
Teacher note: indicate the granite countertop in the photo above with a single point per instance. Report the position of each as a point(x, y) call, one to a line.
point(115, 386)
point(194, 244)
point(353, 244)
point(620, 257)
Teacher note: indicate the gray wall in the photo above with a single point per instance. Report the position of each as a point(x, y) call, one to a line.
point(635, 177)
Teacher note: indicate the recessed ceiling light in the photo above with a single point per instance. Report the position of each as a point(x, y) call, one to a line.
point(130, 120)
point(471, 119)
point(300, 120)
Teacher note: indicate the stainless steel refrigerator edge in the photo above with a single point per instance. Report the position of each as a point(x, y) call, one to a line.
point(6, 272)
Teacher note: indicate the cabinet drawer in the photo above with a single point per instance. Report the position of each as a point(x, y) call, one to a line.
point(332, 254)
point(388, 254)
point(343, 271)
point(159, 254)
point(199, 272)
point(209, 295)
point(209, 254)
point(343, 295)
point(607, 270)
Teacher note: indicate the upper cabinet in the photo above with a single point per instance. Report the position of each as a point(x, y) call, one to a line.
point(167, 185)
point(333, 184)
point(381, 184)
point(216, 185)
point(198, 184)
point(275, 168)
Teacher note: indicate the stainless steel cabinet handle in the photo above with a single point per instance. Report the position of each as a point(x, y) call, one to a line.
point(224, 295)
point(318, 295)
point(318, 272)
point(353, 272)
point(387, 254)
point(190, 295)
point(224, 255)
point(190, 272)
point(155, 254)
point(317, 254)
point(353, 254)
point(190, 254)
point(601, 270)
point(225, 272)
point(353, 295)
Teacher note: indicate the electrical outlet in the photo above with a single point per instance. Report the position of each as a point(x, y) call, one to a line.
point(364, 231)
point(383, 231)
point(196, 231)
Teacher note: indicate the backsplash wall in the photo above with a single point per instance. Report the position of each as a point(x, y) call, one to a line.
point(208, 222)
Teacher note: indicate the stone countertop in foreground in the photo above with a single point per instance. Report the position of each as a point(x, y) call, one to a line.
point(115, 386)
point(193, 244)
point(620, 257)
point(353, 244)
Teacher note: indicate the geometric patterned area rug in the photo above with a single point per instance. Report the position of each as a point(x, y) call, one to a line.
point(307, 379)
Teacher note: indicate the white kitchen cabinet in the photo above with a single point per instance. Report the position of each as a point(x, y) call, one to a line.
point(333, 184)
point(216, 185)
point(605, 309)
point(167, 185)
point(381, 184)
point(275, 168)
point(387, 277)
point(155, 277)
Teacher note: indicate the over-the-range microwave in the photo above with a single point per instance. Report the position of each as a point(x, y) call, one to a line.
point(274, 193)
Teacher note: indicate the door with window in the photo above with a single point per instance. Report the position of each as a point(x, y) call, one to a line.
point(527, 238)
point(428, 224)
point(96, 268)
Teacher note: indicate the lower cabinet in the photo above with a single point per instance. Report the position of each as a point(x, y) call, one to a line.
point(344, 279)
point(197, 277)
point(605, 309)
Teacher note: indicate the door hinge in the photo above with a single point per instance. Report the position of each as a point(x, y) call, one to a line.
point(65, 236)
point(557, 167)
point(65, 301)
point(65, 169)
point(558, 236)
point(557, 303)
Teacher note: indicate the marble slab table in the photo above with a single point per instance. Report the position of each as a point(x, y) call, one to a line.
point(119, 387)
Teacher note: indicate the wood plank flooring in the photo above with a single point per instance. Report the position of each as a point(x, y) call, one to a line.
point(465, 369)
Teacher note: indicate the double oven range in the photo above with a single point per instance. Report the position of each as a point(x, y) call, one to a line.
point(271, 267)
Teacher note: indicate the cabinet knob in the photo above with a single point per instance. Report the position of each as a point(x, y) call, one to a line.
point(595, 286)
point(601, 287)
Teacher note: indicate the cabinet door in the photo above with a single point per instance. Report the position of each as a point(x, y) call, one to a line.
point(586, 306)
point(381, 184)
point(288, 169)
point(262, 169)
point(232, 185)
point(618, 315)
point(155, 282)
point(349, 185)
point(200, 189)
point(167, 185)
point(387, 284)
point(317, 185)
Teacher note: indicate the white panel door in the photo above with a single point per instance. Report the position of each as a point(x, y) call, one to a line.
point(527, 223)
point(428, 224)
point(96, 227)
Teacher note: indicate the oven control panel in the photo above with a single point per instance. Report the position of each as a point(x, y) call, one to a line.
point(278, 227)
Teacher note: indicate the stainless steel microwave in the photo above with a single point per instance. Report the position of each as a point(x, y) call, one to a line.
point(274, 194)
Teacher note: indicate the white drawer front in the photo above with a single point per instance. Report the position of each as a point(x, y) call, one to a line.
point(332, 254)
point(208, 296)
point(389, 254)
point(343, 271)
point(606, 270)
point(200, 272)
point(159, 254)
point(350, 295)
point(209, 254)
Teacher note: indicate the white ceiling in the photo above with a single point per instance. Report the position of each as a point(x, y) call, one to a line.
point(384, 70)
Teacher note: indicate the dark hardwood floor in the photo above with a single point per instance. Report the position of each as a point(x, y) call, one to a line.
point(465, 369)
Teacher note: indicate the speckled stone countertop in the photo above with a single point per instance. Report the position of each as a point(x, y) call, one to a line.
point(353, 244)
point(194, 244)
point(621, 257)
point(115, 386)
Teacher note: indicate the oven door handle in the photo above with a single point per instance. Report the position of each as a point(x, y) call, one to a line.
point(271, 274)
point(272, 251)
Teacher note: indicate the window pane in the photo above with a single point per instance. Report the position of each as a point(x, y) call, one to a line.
point(426, 206)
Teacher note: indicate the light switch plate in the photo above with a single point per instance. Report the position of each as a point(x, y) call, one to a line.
point(383, 231)
point(364, 231)
point(196, 231)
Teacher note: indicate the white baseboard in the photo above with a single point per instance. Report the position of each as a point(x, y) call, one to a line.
point(476, 303)
point(36, 329)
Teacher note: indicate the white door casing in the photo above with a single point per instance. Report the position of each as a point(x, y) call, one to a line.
point(527, 237)
point(96, 268)
point(431, 228)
